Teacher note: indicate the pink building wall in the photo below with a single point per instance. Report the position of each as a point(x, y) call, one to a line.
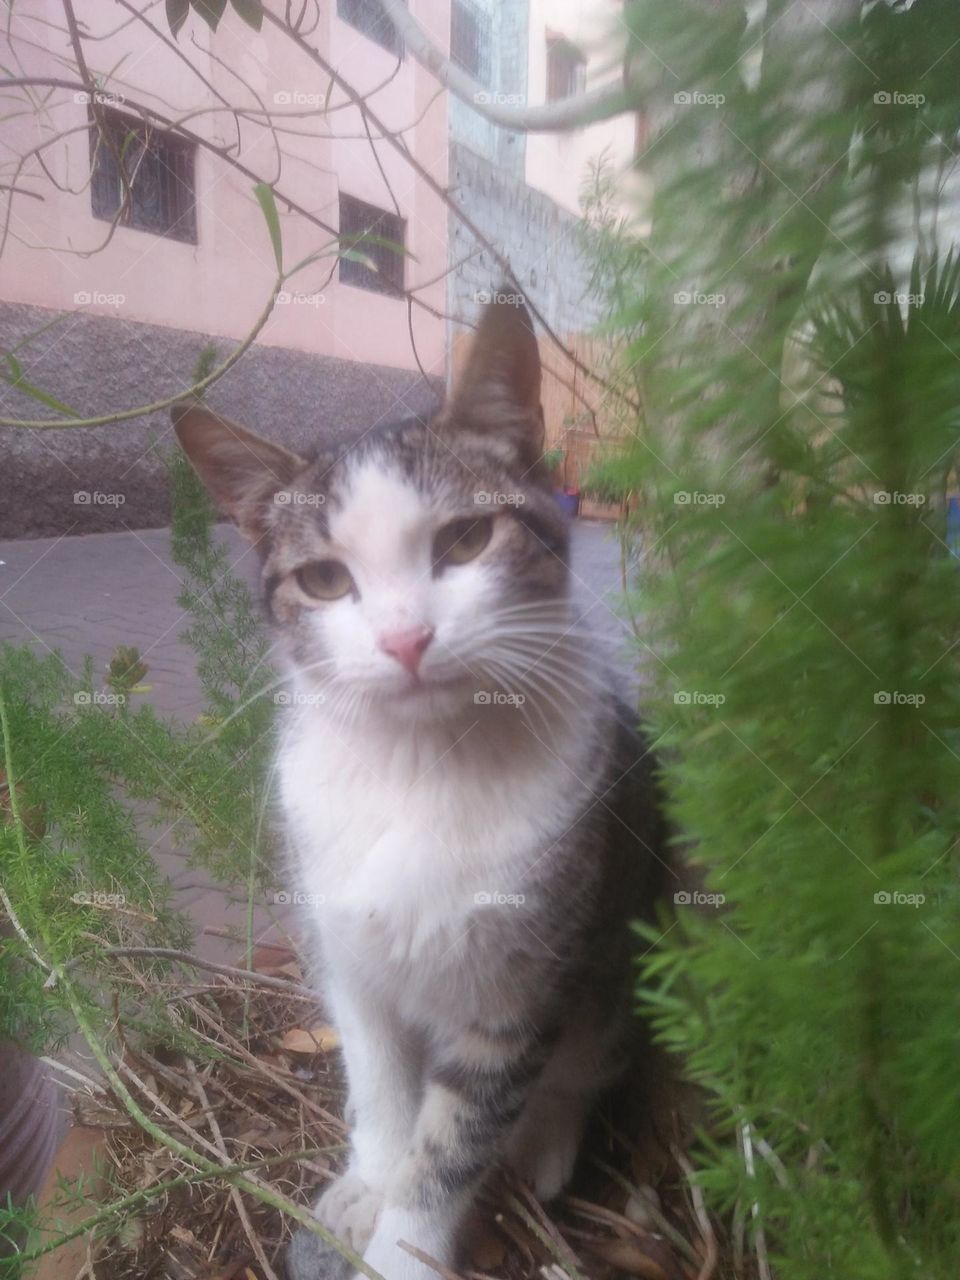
point(559, 163)
point(220, 285)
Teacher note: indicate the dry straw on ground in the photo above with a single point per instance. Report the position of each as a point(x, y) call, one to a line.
point(250, 1075)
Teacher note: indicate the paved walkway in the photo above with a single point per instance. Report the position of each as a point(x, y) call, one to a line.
point(86, 595)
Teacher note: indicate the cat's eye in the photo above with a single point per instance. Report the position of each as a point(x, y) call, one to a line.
point(325, 579)
point(461, 540)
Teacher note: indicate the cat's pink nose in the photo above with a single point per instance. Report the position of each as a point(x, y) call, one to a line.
point(407, 646)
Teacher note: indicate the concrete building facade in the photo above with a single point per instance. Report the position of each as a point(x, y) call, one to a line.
point(105, 314)
point(110, 289)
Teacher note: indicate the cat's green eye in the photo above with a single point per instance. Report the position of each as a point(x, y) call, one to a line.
point(461, 540)
point(325, 579)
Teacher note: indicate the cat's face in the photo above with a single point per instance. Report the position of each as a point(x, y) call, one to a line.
point(424, 565)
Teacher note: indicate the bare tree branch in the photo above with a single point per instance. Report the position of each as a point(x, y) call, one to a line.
point(427, 177)
point(260, 115)
point(611, 100)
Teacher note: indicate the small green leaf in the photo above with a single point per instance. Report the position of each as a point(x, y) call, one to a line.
point(311, 258)
point(368, 237)
point(30, 337)
point(251, 11)
point(18, 381)
point(211, 11)
point(177, 11)
point(354, 255)
point(264, 195)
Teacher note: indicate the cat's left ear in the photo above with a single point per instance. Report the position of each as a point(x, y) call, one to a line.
point(497, 396)
point(241, 471)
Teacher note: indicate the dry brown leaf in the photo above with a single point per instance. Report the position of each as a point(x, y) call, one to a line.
point(271, 954)
point(486, 1248)
point(184, 1235)
point(320, 1039)
point(642, 1206)
point(289, 970)
point(629, 1256)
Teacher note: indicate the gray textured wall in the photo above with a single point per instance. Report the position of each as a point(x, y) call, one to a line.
point(97, 364)
point(539, 238)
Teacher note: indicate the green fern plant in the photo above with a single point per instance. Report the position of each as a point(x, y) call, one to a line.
point(82, 756)
point(801, 620)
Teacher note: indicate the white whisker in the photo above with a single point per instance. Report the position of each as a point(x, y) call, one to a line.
point(541, 688)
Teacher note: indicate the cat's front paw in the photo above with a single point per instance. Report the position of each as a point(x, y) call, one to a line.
point(350, 1208)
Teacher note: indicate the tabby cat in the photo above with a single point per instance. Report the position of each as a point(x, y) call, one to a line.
point(469, 805)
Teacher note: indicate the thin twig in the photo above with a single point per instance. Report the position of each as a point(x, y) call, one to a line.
point(759, 1235)
point(427, 1261)
point(20, 931)
point(86, 1081)
point(664, 1225)
point(213, 1169)
point(443, 194)
point(703, 1218)
point(235, 1195)
point(274, 1077)
point(229, 971)
point(142, 1194)
point(546, 1233)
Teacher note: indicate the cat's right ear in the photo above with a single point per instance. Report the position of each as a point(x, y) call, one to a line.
point(241, 471)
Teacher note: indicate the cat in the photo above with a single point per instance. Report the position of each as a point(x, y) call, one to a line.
point(470, 806)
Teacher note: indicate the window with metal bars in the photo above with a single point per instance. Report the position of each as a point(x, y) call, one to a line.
point(358, 221)
point(566, 69)
point(369, 17)
point(471, 35)
point(160, 174)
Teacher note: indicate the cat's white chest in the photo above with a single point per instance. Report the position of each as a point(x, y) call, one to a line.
point(398, 842)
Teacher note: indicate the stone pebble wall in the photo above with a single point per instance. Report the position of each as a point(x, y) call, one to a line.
point(540, 239)
point(97, 364)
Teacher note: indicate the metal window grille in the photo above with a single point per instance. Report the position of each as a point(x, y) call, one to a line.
point(359, 220)
point(368, 16)
point(160, 173)
point(471, 35)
